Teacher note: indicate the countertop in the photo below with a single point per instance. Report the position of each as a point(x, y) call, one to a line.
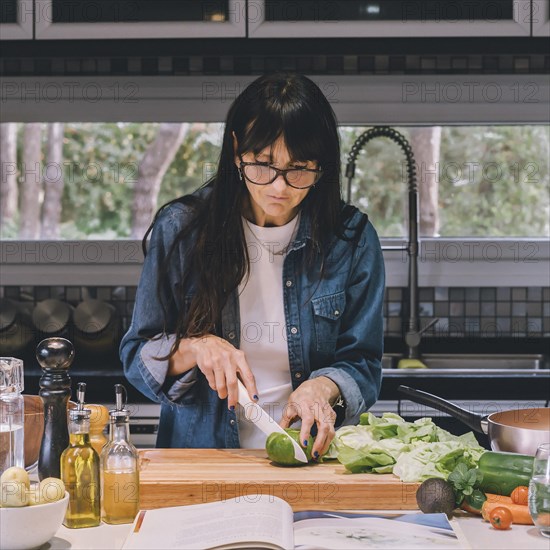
point(476, 533)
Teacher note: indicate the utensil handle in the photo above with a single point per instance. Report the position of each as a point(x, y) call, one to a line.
point(471, 419)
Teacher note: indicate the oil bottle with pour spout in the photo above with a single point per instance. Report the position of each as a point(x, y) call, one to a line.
point(119, 467)
point(80, 469)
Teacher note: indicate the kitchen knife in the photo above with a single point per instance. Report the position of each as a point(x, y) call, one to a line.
point(264, 422)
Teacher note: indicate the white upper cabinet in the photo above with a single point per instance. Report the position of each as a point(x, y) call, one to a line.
point(16, 19)
point(541, 18)
point(111, 19)
point(387, 18)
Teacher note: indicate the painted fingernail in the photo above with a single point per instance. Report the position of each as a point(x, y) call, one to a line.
point(255, 397)
point(232, 407)
point(316, 454)
point(305, 442)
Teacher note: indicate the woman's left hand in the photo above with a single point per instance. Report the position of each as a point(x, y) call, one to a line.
point(311, 402)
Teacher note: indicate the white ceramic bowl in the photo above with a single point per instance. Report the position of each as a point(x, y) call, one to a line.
point(31, 526)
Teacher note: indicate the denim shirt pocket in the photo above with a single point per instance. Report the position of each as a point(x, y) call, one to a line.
point(327, 312)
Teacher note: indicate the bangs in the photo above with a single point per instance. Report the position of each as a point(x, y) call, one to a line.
point(300, 130)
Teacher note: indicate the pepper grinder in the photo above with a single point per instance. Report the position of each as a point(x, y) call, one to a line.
point(55, 356)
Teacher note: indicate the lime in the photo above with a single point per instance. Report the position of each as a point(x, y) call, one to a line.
point(280, 450)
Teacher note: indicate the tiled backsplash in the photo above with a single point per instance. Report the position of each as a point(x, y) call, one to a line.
point(422, 62)
point(462, 312)
point(482, 312)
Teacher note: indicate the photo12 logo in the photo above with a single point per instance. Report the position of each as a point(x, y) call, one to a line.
point(468, 92)
point(68, 91)
point(467, 173)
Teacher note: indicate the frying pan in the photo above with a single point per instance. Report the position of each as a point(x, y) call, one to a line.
point(515, 431)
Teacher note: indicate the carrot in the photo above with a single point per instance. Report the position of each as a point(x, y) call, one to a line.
point(498, 498)
point(520, 512)
point(492, 498)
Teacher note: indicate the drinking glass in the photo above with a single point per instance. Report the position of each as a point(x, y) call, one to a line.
point(539, 490)
point(11, 413)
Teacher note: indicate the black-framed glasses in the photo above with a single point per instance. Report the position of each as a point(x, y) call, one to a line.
point(263, 174)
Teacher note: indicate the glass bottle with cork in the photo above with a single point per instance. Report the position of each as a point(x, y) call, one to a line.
point(80, 469)
point(119, 467)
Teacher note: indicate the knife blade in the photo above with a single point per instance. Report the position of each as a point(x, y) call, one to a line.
point(264, 422)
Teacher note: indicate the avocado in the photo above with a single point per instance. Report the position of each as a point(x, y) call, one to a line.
point(436, 495)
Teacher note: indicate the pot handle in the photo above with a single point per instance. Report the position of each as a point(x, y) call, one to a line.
point(472, 420)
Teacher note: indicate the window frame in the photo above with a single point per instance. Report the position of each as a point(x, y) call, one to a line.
point(357, 100)
point(541, 18)
point(397, 100)
point(446, 262)
point(23, 28)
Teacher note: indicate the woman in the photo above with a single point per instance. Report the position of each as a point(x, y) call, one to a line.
point(263, 274)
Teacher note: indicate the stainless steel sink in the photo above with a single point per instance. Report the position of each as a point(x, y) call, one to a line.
point(473, 362)
point(390, 360)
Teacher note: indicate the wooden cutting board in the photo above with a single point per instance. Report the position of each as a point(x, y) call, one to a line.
point(174, 477)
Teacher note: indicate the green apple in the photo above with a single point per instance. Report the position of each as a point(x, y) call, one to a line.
point(51, 489)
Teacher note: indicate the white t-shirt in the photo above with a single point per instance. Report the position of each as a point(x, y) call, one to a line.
point(263, 331)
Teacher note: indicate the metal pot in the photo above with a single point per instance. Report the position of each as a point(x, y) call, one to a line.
point(96, 327)
point(52, 317)
point(16, 333)
point(516, 430)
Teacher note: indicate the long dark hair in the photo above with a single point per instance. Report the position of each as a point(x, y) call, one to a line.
point(286, 105)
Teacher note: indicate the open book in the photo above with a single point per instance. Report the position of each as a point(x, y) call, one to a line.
point(264, 521)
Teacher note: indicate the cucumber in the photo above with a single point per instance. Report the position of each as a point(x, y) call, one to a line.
point(503, 472)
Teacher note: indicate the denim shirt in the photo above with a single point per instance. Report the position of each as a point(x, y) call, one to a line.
point(337, 334)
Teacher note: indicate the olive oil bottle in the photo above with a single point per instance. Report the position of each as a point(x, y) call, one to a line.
point(80, 470)
point(119, 467)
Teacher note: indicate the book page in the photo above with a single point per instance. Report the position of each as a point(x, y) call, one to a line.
point(342, 531)
point(259, 521)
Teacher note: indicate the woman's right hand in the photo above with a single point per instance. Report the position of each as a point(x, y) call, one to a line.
point(219, 361)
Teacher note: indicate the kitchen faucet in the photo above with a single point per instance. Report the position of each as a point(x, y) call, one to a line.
point(414, 333)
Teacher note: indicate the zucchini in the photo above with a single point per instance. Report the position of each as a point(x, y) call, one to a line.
point(503, 472)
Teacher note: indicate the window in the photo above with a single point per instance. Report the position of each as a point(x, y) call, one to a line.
point(105, 180)
point(98, 180)
point(473, 181)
